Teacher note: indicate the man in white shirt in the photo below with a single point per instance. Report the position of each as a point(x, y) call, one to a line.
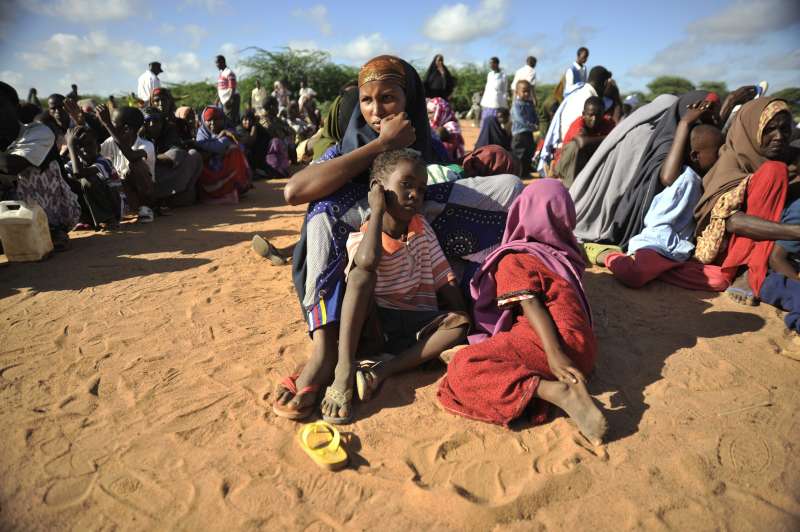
point(526, 73)
point(576, 73)
point(149, 81)
point(133, 157)
point(257, 97)
point(495, 94)
point(226, 91)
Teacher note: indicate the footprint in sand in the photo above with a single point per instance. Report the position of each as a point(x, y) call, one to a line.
point(745, 452)
point(479, 468)
point(65, 492)
point(142, 493)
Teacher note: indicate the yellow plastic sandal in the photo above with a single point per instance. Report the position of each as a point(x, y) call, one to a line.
point(323, 443)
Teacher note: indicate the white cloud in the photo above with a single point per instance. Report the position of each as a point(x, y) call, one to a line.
point(11, 77)
point(64, 49)
point(196, 34)
point(746, 21)
point(743, 22)
point(82, 10)
point(318, 14)
point(185, 66)
point(303, 45)
point(166, 29)
point(363, 47)
point(460, 23)
point(230, 51)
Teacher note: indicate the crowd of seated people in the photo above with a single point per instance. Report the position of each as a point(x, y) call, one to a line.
point(91, 165)
point(412, 244)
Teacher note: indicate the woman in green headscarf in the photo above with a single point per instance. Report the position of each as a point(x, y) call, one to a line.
point(336, 121)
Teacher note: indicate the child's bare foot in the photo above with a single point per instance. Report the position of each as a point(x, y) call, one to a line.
point(741, 292)
point(336, 406)
point(575, 400)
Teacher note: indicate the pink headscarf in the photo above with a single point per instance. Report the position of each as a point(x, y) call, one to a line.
point(442, 114)
point(540, 223)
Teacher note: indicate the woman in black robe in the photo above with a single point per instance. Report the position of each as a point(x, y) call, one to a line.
point(438, 81)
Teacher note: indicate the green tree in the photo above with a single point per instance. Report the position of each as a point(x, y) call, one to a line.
point(470, 78)
point(289, 65)
point(792, 96)
point(669, 85)
point(196, 94)
point(720, 87)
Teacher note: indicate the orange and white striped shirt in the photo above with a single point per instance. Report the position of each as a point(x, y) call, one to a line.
point(410, 271)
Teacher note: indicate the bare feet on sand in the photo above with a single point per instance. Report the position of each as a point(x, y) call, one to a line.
point(574, 399)
point(741, 292)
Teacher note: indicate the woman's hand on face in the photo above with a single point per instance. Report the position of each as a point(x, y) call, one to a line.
point(377, 198)
point(397, 132)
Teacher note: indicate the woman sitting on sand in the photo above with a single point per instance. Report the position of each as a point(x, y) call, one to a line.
point(226, 174)
point(535, 337)
point(468, 216)
point(738, 216)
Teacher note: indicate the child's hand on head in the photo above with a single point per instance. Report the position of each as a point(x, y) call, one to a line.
point(377, 197)
point(696, 111)
point(397, 132)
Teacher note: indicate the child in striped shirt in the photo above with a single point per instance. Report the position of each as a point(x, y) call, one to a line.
point(396, 276)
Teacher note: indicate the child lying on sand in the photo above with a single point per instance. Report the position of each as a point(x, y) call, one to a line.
point(536, 344)
point(396, 272)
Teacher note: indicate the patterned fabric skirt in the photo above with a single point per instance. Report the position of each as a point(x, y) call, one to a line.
point(47, 188)
point(468, 216)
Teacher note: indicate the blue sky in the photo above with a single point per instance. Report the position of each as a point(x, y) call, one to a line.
point(103, 45)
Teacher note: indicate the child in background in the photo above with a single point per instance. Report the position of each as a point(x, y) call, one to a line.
point(535, 344)
point(95, 179)
point(665, 245)
point(524, 122)
point(581, 141)
point(397, 273)
point(474, 113)
point(133, 157)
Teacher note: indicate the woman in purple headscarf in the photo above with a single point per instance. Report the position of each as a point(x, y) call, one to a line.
point(534, 343)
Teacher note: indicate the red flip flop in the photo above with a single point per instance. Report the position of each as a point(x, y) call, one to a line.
point(289, 383)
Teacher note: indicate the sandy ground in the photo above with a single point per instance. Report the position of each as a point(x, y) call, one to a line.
point(137, 370)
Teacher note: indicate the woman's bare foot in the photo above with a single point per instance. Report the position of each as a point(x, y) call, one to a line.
point(741, 292)
point(575, 400)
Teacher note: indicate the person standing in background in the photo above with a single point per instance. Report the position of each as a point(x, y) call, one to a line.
point(148, 82)
point(577, 72)
point(495, 94)
point(257, 97)
point(438, 80)
point(226, 91)
point(527, 73)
